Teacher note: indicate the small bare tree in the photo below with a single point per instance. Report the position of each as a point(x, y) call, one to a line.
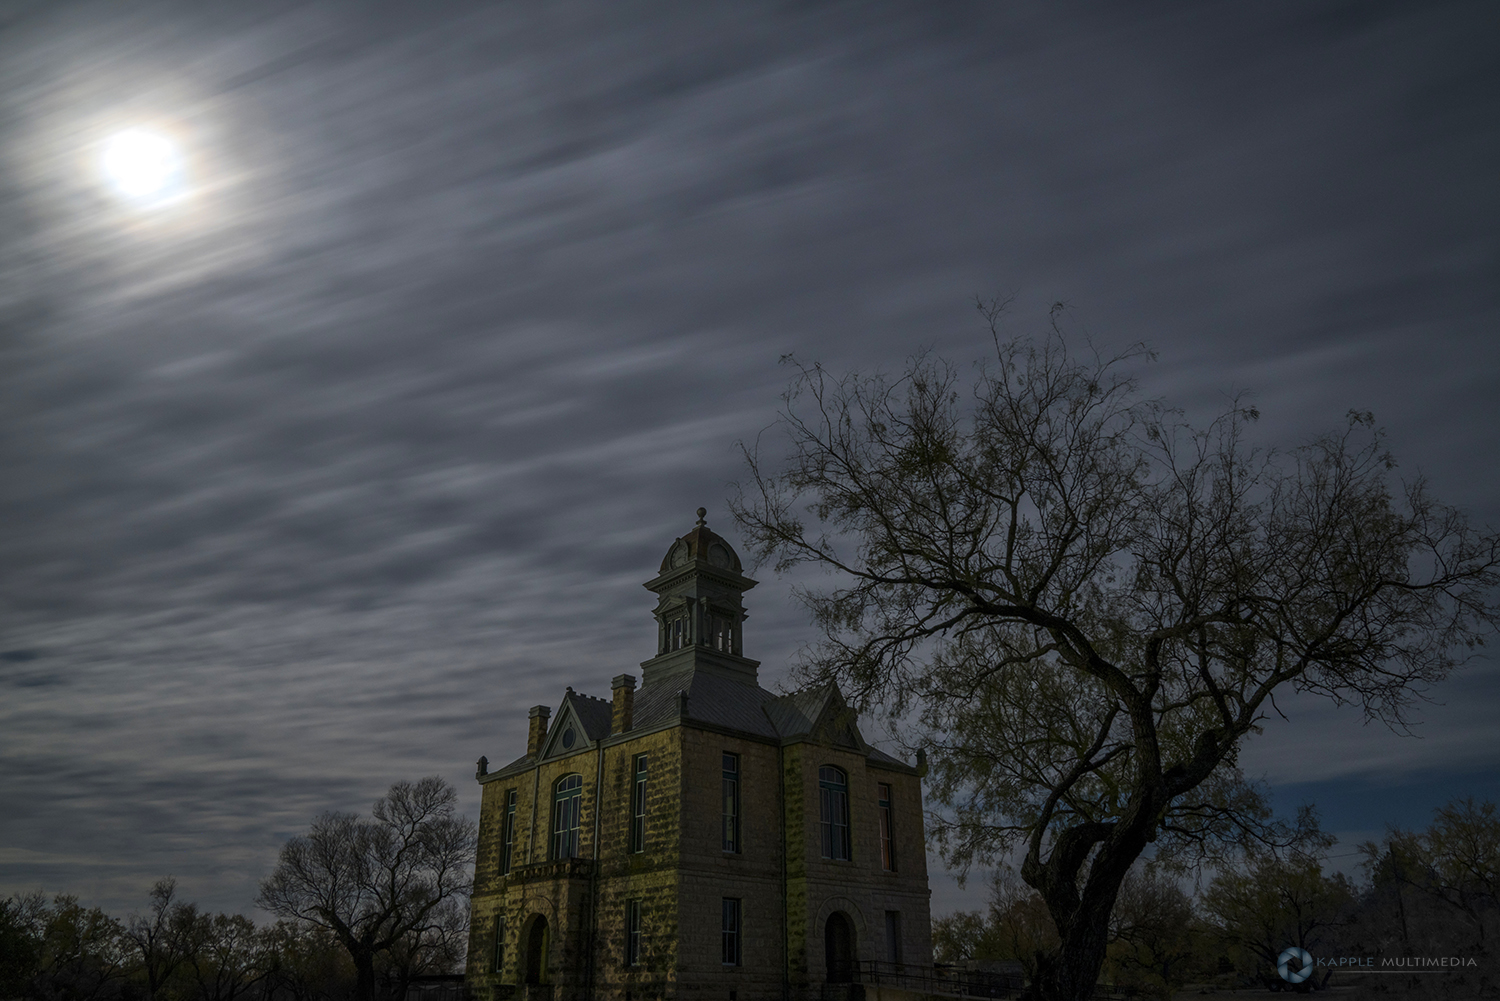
point(1089, 603)
point(378, 884)
point(166, 938)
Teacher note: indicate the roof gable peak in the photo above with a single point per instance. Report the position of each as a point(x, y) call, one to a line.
point(571, 732)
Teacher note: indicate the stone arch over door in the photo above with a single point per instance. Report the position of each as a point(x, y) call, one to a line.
point(535, 951)
point(839, 952)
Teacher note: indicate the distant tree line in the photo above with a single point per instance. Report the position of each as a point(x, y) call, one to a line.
point(1423, 893)
point(364, 905)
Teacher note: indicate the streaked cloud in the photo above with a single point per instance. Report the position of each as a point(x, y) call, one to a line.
point(319, 485)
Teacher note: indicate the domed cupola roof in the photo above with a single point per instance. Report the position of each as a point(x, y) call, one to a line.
point(702, 544)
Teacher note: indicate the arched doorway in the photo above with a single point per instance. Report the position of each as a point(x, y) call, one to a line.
point(538, 941)
point(838, 948)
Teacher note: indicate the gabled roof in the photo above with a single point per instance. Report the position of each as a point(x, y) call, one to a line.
point(594, 714)
point(590, 715)
point(796, 715)
point(817, 713)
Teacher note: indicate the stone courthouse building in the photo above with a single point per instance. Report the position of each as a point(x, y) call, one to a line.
point(698, 837)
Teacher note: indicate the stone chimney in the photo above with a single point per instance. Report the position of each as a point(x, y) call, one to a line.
point(623, 716)
point(538, 733)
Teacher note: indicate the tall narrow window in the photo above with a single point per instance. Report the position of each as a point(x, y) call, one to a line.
point(498, 959)
point(721, 633)
point(731, 931)
point(632, 933)
point(887, 842)
point(833, 803)
point(508, 832)
point(677, 634)
point(638, 806)
point(567, 810)
point(893, 936)
point(731, 787)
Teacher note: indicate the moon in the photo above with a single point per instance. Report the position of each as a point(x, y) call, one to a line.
point(143, 167)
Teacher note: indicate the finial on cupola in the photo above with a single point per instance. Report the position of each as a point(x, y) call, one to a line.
point(702, 513)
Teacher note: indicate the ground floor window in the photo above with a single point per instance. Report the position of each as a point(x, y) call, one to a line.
point(633, 933)
point(893, 936)
point(732, 931)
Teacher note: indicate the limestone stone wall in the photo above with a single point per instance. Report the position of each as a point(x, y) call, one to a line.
point(751, 875)
point(786, 888)
point(859, 888)
point(650, 876)
point(560, 893)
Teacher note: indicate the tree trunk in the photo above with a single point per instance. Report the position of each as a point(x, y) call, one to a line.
point(364, 976)
point(1070, 973)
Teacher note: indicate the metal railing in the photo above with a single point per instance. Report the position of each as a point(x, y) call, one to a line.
point(944, 980)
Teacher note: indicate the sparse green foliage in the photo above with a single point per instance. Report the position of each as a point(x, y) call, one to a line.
point(1264, 904)
point(1089, 602)
point(165, 938)
point(230, 959)
point(1015, 926)
point(1438, 887)
point(1158, 940)
point(960, 936)
point(61, 951)
point(304, 963)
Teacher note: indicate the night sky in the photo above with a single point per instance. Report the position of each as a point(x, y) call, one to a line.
point(315, 475)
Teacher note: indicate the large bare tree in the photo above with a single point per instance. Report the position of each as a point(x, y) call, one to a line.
point(1089, 602)
point(378, 885)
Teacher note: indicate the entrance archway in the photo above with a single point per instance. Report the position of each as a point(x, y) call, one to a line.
point(538, 942)
point(838, 948)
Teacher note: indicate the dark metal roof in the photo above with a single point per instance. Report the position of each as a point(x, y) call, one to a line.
point(720, 702)
point(711, 699)
point(878, 755)
point(698, 542)
point(796, 714)
point(594, 715)
point(517, 764)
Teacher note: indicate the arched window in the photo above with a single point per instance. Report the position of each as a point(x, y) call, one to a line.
point(567, 809)
point(833, 801)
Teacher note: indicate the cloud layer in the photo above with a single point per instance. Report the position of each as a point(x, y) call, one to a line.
point(319, 482)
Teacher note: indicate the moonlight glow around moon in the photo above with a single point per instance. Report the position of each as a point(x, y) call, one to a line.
point(143, 167)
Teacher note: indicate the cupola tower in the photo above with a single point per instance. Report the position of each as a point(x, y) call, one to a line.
point(700, 613)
